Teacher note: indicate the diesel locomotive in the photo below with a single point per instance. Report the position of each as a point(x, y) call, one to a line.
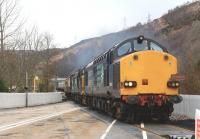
point(136, 79)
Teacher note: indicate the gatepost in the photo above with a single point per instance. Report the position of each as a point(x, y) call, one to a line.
point(197, 124)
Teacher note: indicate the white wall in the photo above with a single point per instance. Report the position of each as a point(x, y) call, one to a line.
point(15, 100)
point(43, 98)
point(188, 106)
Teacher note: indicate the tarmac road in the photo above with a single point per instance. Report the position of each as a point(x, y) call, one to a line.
point(68, 120)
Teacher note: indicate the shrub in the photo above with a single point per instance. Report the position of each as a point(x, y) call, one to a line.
point(3, 87)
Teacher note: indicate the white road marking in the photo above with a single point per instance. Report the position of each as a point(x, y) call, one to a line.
point(108, 129)
point(36, 119)
point(144, 133)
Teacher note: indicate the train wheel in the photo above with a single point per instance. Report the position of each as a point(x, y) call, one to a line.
point(111, 110)
point(138, 117)
point(163, 118)
point(130, 116)
point(120, 111)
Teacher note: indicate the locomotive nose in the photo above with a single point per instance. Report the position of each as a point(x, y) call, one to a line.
point(151, 70)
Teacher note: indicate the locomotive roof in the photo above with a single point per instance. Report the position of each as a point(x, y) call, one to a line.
point(103, 55)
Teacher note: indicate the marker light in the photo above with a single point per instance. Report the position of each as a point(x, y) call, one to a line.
point(177, 84)
point(126, 84)
point(173, 84)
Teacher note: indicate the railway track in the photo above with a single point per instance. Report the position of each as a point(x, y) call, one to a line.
point(152, 129)
point(181, 134)
point(144, 130)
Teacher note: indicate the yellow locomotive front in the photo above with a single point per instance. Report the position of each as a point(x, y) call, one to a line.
point(148, 77)
point(149, 73)
point(150, 70)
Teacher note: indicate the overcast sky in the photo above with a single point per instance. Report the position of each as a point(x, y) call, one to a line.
point(70, 21)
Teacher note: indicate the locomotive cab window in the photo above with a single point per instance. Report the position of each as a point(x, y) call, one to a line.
point(124, 49)
point(155, 47)
point(140, 46)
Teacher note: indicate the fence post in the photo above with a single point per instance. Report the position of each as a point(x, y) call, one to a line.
point(26, 99)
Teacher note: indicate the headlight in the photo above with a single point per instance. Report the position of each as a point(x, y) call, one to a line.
point(140, 39)
point(130, 84)
point(173, 84)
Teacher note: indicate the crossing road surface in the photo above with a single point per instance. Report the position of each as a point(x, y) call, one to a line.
point(68, 120)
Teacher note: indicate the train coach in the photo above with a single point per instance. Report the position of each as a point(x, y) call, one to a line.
point(135, 80)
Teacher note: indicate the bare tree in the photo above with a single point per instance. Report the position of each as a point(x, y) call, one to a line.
point(9, 27)
point(9, 15)
point(47, 44)
point(28, 55)
point(21, 51)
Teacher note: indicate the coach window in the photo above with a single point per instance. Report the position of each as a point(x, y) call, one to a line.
point(90, 78)
point(105, 76)
point(124, 49)
point(74, 84)
point(140, 46)
point(110, 57)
